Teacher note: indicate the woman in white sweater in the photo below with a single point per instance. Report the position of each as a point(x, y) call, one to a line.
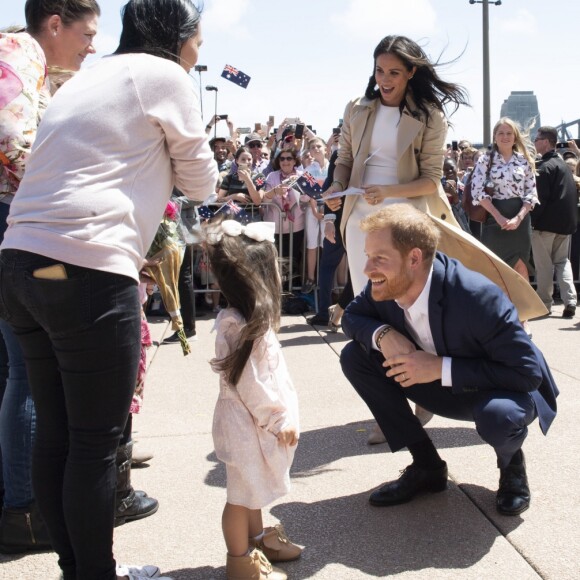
point(111, 146)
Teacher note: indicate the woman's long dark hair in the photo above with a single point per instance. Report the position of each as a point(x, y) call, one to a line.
point(246, 272)
point(427, 88)
point(158, 27)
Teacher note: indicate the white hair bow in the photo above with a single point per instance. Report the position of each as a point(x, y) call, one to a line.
point(258, 231)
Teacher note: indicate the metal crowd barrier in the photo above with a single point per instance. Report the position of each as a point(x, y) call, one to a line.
point(285, 263)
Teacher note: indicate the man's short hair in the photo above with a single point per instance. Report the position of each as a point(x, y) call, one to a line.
point(410, 228)
point(549, 133)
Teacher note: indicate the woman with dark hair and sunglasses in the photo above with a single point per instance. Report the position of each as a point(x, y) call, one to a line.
point(282, 204)
point(114, 141)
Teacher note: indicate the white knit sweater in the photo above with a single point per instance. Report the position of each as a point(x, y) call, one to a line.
point(112, 144)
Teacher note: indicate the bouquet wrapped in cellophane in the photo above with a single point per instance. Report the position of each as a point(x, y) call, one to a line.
point(165, 256)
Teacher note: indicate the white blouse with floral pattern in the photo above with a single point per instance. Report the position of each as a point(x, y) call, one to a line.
point(512, 178)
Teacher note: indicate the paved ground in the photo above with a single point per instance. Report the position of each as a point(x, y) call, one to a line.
point(456, 534)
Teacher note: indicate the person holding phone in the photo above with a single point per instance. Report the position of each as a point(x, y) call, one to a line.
point(238, 186)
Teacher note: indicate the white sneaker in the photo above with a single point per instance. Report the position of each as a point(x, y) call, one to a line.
point(138, 572)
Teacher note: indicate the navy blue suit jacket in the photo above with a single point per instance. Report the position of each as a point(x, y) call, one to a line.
point(474, 323)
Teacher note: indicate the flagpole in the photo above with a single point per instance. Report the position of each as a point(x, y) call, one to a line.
point(200, 68)
point(215, 89)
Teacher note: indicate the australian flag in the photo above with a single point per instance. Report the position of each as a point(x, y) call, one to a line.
point(310, 186)
point(236, 212)
point(236, 76)
point(204, 212)
point(259, 180)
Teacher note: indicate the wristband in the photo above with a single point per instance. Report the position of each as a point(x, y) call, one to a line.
point(329, 217)
point(382, 335)
point(339, 183)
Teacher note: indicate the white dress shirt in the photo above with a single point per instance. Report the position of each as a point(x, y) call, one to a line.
point(417, 323)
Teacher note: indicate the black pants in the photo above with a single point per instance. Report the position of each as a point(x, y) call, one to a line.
point(186, 291)
point(501, 417)
point(81, 340)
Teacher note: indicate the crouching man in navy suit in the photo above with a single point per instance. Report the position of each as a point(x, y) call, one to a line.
point(429, 330)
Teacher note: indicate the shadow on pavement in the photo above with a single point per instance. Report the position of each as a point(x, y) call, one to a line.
point(319, 448)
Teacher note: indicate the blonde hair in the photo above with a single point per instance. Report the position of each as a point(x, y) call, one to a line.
point(522, 142)
point(410, 228)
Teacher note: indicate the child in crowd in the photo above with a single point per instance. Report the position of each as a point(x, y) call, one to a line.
point(255, 427)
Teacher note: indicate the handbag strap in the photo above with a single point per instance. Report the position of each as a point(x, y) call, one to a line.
point(489, 164)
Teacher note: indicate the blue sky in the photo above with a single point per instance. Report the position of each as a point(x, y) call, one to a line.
point(307, 58)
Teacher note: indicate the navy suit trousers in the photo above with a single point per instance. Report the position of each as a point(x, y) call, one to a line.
point(501, 416)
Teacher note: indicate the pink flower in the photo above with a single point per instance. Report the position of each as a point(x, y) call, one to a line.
point(171, 211)
point(11, 84)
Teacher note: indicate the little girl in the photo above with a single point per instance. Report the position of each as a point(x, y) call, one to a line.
point(255, 427)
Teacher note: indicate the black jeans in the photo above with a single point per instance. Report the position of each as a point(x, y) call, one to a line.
point(81, 340)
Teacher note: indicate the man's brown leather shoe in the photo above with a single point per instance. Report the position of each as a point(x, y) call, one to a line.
point(413, 480)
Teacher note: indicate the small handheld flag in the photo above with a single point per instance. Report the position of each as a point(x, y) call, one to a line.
point(310, 186)
point(236, 76)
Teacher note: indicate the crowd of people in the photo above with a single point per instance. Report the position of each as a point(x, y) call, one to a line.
point(377, 209)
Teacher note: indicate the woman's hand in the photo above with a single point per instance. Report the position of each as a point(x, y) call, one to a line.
point(237, 197)
point(573, 147)
point(330, 231)
point(288, 435)
point(245, 175)
point(450, 189)
point(374, 194)
point(511, 224)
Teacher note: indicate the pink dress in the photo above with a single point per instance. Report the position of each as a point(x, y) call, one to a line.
point(248, 417)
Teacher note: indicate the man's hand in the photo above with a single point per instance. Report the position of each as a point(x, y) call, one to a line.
point(288, 435)
point(416, 368)
point(395, 343)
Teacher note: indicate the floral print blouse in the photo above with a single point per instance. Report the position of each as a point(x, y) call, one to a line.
point(24, 95)
point(512, 178)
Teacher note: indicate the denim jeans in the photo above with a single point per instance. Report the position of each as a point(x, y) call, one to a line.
point(329, 260)
point(17, 414)
point(17, 427)
point(81, 342)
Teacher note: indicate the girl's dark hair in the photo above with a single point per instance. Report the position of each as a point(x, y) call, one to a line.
point(240, 150)
point(426, 87)
point(158, 27)
point(276, 162)
point(247, 275)
point(37, 12)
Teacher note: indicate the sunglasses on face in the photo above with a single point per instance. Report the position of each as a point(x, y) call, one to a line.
point(286, 158)
point(254, 145)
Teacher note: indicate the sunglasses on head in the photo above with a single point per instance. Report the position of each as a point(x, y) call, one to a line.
point(286, 158)
point(255, 144)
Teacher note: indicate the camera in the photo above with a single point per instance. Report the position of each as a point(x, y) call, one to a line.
point(336, 131)
point(444, 181)
point(454, 146)
point(561, 145)
point(223, 117)
point(299, 133)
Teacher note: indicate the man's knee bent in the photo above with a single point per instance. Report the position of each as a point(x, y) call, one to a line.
point(501, 418)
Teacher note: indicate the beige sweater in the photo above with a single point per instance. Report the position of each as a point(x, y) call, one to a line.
point(111, 146)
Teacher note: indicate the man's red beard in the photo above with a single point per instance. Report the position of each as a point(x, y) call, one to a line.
point(390, 289)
